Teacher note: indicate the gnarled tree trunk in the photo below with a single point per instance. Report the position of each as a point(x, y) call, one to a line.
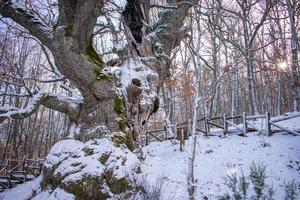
point(116, 100)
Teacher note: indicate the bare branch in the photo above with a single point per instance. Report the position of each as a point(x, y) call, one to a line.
point(28, 20)
point(67, 105)
point(52, 66)
point(262, 20)
point(15, 113)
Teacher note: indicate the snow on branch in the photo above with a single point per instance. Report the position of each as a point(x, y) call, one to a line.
point(16, 113)
point(27, 19)
point(67, 105)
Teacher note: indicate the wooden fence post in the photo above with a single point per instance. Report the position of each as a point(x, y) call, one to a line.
point(268, 125)
point(23, 168)
point(181, 139)
point(166, 132)
point(147, 138)
point(175, 131)
point(225, 124)
point(190, 127)
point(206, 125)
point(23, 164)
point(244, 118)
point(40, 163)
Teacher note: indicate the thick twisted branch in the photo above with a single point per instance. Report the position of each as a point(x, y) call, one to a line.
point(28, 20)
point(53, 101)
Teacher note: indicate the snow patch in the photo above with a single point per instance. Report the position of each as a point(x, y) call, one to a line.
point(24, 191)
point(60, 194)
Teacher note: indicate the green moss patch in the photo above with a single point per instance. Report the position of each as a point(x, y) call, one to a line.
point(49, 180)
point(94, 56)
point(88, 151)
point(119, 109)
point(98, 62)
point(77, 136)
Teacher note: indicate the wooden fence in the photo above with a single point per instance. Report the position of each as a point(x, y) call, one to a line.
point(241, 124)
point(13, 172)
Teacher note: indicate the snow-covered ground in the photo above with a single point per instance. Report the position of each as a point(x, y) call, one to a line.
point(216, 157)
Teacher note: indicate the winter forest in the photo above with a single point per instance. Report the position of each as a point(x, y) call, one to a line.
point(150, 99)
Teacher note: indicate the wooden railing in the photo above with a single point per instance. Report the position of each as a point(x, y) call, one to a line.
point(246, 124)
point(14, 172)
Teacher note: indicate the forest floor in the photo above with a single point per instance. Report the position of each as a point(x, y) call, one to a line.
point(216, 157)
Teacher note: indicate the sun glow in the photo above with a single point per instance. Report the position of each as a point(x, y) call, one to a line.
point(282, 65)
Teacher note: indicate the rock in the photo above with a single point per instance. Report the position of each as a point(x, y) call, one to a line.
point(97, 169)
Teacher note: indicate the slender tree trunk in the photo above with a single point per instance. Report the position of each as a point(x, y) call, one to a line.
point(251, 82)
point(295, 63)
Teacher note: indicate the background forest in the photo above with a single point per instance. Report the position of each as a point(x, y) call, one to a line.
point(241, 56)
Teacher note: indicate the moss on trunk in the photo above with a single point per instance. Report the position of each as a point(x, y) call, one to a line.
point(119, 109)
point(94, 56)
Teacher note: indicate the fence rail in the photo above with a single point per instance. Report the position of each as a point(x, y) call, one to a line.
point(224, 122)
point(13, 172)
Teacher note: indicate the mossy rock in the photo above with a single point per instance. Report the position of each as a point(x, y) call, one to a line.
point(49, 180)
point(88, 151)
point(104, 157)
point(78, 136)
point(89, 187)
point(117, 186)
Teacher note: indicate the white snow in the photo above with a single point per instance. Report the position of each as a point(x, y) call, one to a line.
point(23, 191)
point(74, 163)
point(9, 111)
point(62, 150)
point(60, 194)
point(216, 157)
point(43, 195)
point(135, 69)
